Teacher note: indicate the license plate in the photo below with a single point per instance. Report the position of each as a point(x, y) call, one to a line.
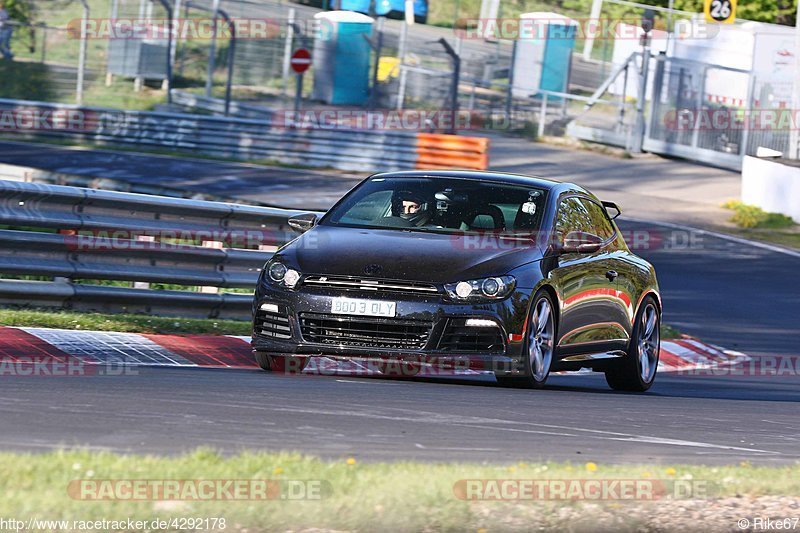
point(355, 306)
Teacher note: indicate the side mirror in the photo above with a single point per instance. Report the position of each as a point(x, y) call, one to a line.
point(581, 242)
point(303, 223)
point(614, 207)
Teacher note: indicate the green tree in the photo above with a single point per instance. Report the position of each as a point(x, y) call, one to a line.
point(20, 10)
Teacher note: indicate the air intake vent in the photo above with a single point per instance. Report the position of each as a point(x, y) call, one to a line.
point(458, 337)
point(273, 324)
point(366, 332)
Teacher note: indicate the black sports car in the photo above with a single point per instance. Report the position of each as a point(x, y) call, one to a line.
point(518, 275)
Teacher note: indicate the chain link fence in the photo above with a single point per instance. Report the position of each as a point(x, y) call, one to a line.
point(412, 69)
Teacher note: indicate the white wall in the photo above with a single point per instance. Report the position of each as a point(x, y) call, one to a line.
point(772, 186)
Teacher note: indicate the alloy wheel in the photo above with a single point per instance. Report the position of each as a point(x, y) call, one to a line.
point(648, 343)
point(541, 340)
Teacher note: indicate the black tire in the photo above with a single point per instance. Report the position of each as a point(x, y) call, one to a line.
point(629, 374)
point(536, 379)
point(421, 19)
point(263, 361)
point(283, 364)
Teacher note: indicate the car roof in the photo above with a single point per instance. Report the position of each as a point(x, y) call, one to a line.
point(556, 187)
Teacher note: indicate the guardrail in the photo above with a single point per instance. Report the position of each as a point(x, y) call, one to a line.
point(241, 138)
point(116, 236)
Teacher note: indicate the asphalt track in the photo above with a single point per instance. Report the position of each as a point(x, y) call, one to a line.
point(724, 292)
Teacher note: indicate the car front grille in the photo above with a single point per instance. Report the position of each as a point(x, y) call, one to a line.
point(272, 324)
point(370, 284)
point(458, 337)
point(364, 332)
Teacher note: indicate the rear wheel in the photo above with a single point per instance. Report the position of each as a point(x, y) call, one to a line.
point(637, 370)
point(540, 345)
point(281, 363)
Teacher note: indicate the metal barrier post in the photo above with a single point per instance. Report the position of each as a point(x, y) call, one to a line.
point(542, 116)
point(212, 49)
point(287, 50)
point(751, 89)
point(510, 93)
point(168, 8)
point(401, 89)
point(373, 97)
point(82, 54)
point(638, 138)
point(454, 84)
point(622, 97)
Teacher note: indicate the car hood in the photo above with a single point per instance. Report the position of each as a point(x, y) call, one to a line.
point(408, 255)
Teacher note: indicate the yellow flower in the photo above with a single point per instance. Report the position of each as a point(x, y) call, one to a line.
point(671, 471)
point(591, 467)
point(646, 474)
point(512, 469)
point(523, 465)
point(482, 530)
point(745, 464)
point(351, 461)
point(277, 471)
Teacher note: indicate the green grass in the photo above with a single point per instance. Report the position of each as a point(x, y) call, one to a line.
point(357, 496)
point(668, 332)
point(121, 323)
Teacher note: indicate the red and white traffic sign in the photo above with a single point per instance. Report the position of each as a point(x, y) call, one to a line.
point(301, 60)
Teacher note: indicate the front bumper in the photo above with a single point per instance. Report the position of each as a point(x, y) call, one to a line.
point(304, 322)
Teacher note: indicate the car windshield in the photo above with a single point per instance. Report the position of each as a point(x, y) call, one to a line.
point(444, 205)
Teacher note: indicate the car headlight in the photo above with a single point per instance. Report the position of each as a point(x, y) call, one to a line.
point(494, 288)
point(280, 274)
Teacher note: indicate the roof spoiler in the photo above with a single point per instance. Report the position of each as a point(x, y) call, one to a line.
point(615, 207)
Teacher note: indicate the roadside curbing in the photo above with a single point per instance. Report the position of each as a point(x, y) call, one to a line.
point(221, 351)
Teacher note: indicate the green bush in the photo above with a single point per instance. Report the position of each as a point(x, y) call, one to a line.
point(751, 216)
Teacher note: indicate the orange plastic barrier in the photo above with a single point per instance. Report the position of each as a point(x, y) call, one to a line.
point(441, 151)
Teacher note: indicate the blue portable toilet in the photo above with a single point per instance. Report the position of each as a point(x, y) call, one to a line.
point(544, 51)
point(341, 57)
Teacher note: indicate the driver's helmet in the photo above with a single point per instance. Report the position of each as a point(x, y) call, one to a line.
point(411, 206)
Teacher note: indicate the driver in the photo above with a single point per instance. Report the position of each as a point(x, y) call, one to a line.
point(412, 207)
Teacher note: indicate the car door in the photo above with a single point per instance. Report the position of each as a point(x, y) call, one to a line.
point(590, 320)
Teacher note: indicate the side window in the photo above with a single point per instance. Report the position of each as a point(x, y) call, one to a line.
point(580, 214)
point(600, 224)
point(571, 216)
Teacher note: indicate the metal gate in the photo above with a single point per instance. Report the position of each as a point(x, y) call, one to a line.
point(702, 112)
point(696, 112)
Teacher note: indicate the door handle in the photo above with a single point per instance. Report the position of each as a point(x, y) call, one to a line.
point(611, 275)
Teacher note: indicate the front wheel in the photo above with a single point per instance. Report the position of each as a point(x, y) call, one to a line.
point(540, 345)
point(637, 370)
point(281, 363)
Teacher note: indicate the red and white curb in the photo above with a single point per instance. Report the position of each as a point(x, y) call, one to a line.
point(221, 351)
